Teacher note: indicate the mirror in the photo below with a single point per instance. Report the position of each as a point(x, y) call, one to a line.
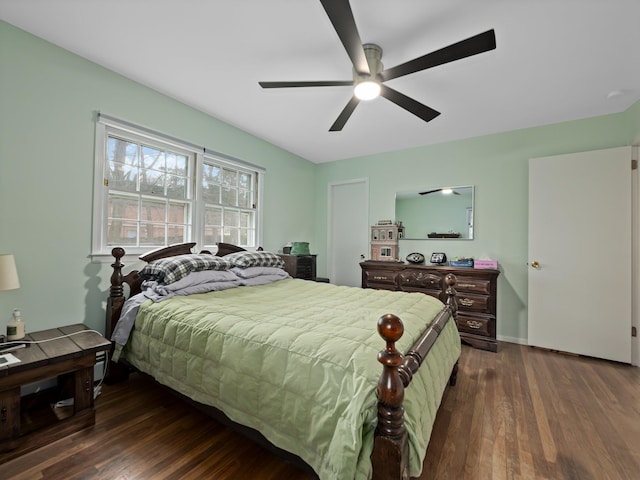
point(436, 213)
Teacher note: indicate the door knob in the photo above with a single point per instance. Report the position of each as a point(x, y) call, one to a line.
point(535, 265)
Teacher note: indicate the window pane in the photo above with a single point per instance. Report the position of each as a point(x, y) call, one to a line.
point(176, 164)
point(153, 210)
point(123, 208)
point(231, 218)
point(122, 177)
point(121, 233)
point(211, 193)
point(246, 219)
point(230, 177)
point(178, 213)
point(244, 237)
point(229, 197)
point(244, 199)
point(152, 234)
point(245, 181)
point(176, 234)
point(213, 216)
point(211, 173)
point(153, 159)
point(231, 236)
point(122, 151)
point(212, 235)
point(152, 182)
point(176, 186)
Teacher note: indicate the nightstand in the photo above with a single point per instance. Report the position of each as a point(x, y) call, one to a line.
point(300, 266)
point(29, 422)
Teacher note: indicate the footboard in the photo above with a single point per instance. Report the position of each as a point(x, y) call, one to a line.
point(390, 457)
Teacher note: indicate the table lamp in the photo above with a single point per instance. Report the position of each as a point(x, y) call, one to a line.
point(8, 273)
point(8, 276)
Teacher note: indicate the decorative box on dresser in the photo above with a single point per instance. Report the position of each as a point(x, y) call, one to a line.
point(477, 293)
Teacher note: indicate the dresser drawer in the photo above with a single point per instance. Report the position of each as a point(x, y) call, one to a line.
point(380, 277)
point(419, 279)
point(473, 303)
point(473, 285)
point(476, 325)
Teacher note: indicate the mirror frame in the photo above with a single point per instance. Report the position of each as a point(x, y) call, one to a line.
point(440, 235)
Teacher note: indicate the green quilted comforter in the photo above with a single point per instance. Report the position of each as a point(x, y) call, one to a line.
point(296, 360)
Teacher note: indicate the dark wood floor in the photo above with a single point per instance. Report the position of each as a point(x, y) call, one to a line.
point(522, 413)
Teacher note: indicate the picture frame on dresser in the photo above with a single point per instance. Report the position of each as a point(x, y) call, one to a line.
point(477, 293)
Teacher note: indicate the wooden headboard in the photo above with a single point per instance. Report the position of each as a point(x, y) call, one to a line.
point(132, 279)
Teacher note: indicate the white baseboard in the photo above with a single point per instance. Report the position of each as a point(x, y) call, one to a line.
point(519, 341)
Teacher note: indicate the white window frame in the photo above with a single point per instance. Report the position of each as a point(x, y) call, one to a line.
point(105, 125)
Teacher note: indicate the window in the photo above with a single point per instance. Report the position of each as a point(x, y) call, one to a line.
point(152, 190)
point(229, 202)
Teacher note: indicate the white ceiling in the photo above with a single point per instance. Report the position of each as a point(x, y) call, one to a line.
point(555, 60)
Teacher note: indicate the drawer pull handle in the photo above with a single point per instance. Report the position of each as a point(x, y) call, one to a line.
point(474, 324)
point(4, 414)
point(466, 302)
point(466, 285)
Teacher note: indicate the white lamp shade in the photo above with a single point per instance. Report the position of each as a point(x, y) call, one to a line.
point(8, 273)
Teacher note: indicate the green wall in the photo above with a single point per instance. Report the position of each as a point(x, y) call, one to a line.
point(48, 101)
point(498, 167)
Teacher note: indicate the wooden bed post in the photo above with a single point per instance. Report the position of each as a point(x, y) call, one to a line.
point(390, 457)
point(390, 449)
point(452, 303)
point(116, 371)
point(116, 292)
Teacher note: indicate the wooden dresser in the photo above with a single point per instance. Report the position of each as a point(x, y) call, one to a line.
point(477, 294)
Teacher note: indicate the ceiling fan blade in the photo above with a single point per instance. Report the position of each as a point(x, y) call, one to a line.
point(429, 191)
point(345, 114)
point(319, 83)
point(480, 43)
point(409, 104)
point(341, 16)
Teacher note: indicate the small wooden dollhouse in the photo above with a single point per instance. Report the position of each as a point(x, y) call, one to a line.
point(384, 241)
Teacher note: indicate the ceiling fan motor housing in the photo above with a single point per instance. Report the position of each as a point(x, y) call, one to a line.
point(373, 53)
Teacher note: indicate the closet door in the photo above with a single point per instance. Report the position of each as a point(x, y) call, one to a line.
point(348, 232)
point(580, 253)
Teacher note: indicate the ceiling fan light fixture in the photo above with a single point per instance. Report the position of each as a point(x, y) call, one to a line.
point(447, 191)
point(367, 90)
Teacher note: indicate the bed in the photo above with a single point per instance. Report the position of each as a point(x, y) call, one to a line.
point(291, 359)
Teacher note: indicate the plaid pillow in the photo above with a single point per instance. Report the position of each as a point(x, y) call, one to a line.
point(254, 259)
point(169, 270)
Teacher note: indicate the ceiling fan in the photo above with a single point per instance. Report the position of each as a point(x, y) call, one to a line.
point(369, 74)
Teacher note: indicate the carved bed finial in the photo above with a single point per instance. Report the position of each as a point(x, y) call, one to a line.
point(450, 280)
point(116, 276)
point(390, 442)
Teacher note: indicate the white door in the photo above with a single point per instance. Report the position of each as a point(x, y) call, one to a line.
point(580, 241)
point(348, 235)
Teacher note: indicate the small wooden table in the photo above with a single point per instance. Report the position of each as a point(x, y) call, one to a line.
point(29, 422)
